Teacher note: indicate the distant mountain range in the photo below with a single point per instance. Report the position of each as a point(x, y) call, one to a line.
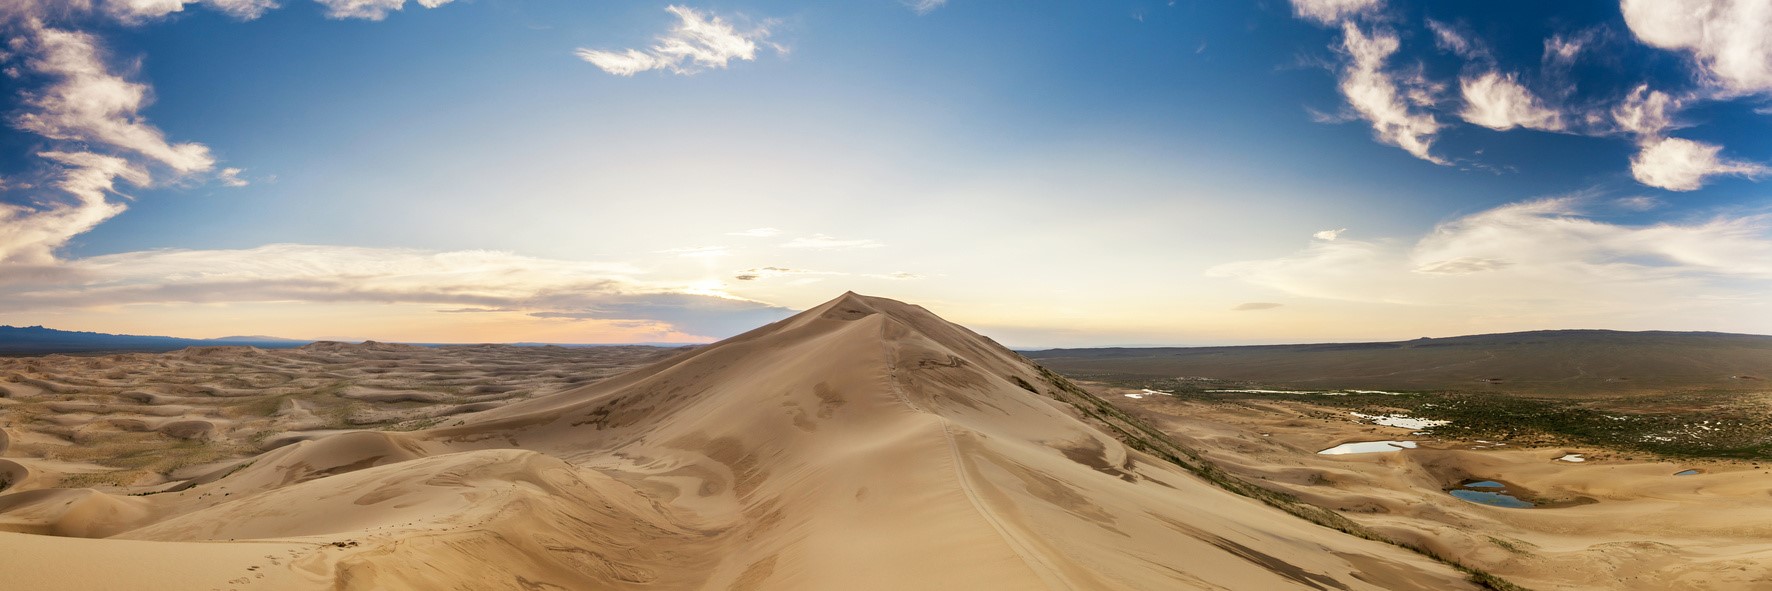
point(1546, 362)
point(37, 340)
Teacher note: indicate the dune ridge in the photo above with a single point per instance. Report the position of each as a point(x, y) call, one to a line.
point(863, 444)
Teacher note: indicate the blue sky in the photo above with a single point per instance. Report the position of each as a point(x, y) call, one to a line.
point(1050, 173)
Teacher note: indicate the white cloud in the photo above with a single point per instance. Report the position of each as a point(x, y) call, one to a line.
point(30, 235)
point(1397, 116)
point(697, 43)
point(544, 288)
point(1562, 50)
point(808, 275)
point(88, 103)
point(925, 6)
point(1678, 164)
point(699, 252)
point(1543, 258)
point(1646, 112)
point(757, 233)
point(1328, 234)
point(1330, 12)
point(1500, 102)
point(823, 242)
point(1671, 163)
point(231, 177)
point(1638, 203)
point(1451, 39)
point(374, 10)
point(136, 11)
point(1731, 40)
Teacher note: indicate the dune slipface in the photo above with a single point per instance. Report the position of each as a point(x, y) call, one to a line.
point(863, 444)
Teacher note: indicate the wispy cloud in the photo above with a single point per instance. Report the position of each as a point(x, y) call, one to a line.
point(473, 281)
point(1460, 43)
point(1672, 163)
point(1330, 12)
point(1253, 306)
point(757, 233)
point(86, 102)
point(698, 42)
point(137, 11)
point(1646, 112)
point(1678, 164)
point(1396, 106)
point(30, 235)
point(699, 252)
point(925, 6)
point(1329, 234)
point(824, 242)
point(1544, 257)
point(1498, 101)
point(374, 10)
point(760, 273)
point(1638, 203)
point(231, 177)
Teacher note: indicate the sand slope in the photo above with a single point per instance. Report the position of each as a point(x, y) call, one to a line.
point(864, 444)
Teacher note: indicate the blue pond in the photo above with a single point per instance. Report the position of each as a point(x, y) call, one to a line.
point(1495, 496)
point(1685, 473)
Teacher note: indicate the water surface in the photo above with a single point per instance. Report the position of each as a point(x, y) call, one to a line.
point(1491, 498)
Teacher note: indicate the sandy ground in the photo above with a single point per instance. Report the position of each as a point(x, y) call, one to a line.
point(148, 422)
point(864, 444)
point(1614, 521)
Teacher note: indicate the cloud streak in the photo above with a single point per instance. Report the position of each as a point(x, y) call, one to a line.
point(1330, 12)
point(1543, 258)
point(824, 242)
point(1395, 106)
point(473, 281)
point(1499, 102)
point(697, 43)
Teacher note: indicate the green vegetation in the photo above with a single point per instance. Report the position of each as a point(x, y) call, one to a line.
point(1507, 545)
point(1699, 424)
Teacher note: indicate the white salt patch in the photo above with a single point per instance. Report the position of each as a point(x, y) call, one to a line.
point(1572, 458)
point(1149, 392)
point(1376, 392)
point(1367, 447)
point(1404, 421)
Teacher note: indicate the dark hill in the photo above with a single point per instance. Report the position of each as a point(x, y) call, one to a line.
point(1583, 362)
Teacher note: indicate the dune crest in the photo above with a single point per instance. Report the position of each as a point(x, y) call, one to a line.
point(862, 444)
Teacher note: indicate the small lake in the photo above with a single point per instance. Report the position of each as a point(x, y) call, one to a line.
point(1491, 493)
point(1368, 447)
point(1685, 473)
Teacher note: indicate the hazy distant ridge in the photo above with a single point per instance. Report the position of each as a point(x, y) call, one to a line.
point(28, 340)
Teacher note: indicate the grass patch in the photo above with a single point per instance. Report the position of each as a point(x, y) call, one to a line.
point(1693, 424)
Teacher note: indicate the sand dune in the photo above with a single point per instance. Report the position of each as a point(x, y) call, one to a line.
point(864, 444)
